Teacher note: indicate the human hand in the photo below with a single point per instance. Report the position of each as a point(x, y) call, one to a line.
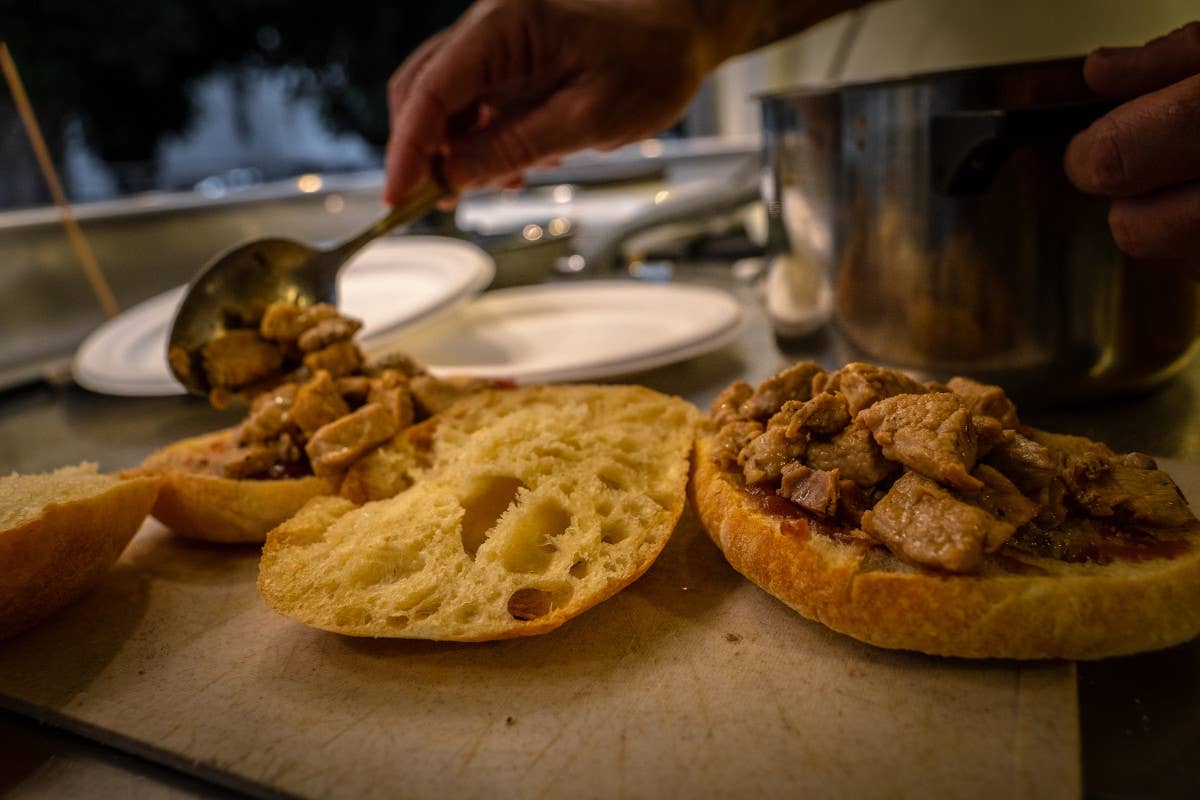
point(517, 82)
point(1145, 154)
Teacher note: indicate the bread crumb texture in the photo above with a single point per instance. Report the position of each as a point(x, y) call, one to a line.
point(24, 497)
point(540, 503)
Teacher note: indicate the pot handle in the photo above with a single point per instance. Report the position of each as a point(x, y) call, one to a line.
point(968, 148)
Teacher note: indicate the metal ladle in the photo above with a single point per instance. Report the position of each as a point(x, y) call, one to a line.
point(239, 284)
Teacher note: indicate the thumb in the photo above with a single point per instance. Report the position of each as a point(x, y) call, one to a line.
point(1122, 73)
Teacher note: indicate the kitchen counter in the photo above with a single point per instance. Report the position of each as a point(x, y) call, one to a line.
point(1140, 716)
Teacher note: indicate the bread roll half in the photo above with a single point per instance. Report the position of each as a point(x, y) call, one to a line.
point(1017, 606)
point(59, 532)
point(200, 505)
point(539, 504)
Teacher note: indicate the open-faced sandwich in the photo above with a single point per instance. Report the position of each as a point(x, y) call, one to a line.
point(927, 517)
point(321, 421)
point(538, 504)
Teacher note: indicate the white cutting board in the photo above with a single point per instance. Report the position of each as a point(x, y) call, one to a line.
point(691, 683)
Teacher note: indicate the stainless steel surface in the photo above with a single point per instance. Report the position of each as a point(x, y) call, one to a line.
point(686, 207)
point(1019, 282)
point(239, 284)
point(1140, 715)
point(150, 243)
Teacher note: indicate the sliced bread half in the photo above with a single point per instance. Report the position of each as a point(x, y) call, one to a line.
point(59, 532)
point(199, 503)
point(539, 504)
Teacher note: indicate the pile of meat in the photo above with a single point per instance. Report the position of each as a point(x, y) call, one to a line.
point(316, 406)
point(939, 474)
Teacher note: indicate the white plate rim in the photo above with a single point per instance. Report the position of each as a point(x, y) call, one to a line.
point(90, 379)
point(712, 339)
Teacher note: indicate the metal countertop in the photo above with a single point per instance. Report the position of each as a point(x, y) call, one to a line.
point(1139, 715)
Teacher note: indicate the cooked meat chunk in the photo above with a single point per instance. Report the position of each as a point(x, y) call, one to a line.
point(865, 384)
point(824, 413)
point(814, 490)
point(239, 358)
point(398, 362)
point(382, 473)
point(339, 358)
point(1148, 496)
point(1080, 458)
point(764, 458)
point(220, 398)
point(1066, 542)
point(281, 322)
point(725, 407)
point(288, 451)
point(924, 523)
point(354, 387)
point(988, 433)
point(317, 404)
point(180, 361)
point(854, 454)
point(794, 383)
point(285, 322)
point(316, 313)
point(730, 440)
point(985, 399)
point(249, 462)
point(395, 399)
point(270, 415)
point(1051, 501)
point(1028, 464)
point(929, 433)
point(1107, 485)
point(326, 332)
point(434, 395)
point(1001, 498)
point(1137, 461)
point(339, 443)
point(827, 412)
point(389, 379)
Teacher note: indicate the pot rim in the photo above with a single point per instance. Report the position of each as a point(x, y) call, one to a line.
point(817, 88)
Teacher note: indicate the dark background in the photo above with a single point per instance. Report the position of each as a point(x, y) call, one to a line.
point(121, 75)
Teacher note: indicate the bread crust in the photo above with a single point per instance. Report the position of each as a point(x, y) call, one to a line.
point(54, 558)
point(1076, 611)
point(218, 509)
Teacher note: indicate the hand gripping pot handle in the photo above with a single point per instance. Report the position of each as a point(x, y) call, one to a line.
point(968, 148)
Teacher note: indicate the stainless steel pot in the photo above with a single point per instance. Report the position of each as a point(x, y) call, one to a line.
point(937, 212)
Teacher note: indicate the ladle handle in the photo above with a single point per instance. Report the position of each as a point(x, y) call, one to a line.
point(411, 208)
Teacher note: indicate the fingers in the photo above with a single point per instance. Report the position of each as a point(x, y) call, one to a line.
point(1124, 72)
point(401, 80)
point(515, 180)
point(1163, 225)
point(1145, 144)
point(403, 162)
point(447, 80)
point(508, 147)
